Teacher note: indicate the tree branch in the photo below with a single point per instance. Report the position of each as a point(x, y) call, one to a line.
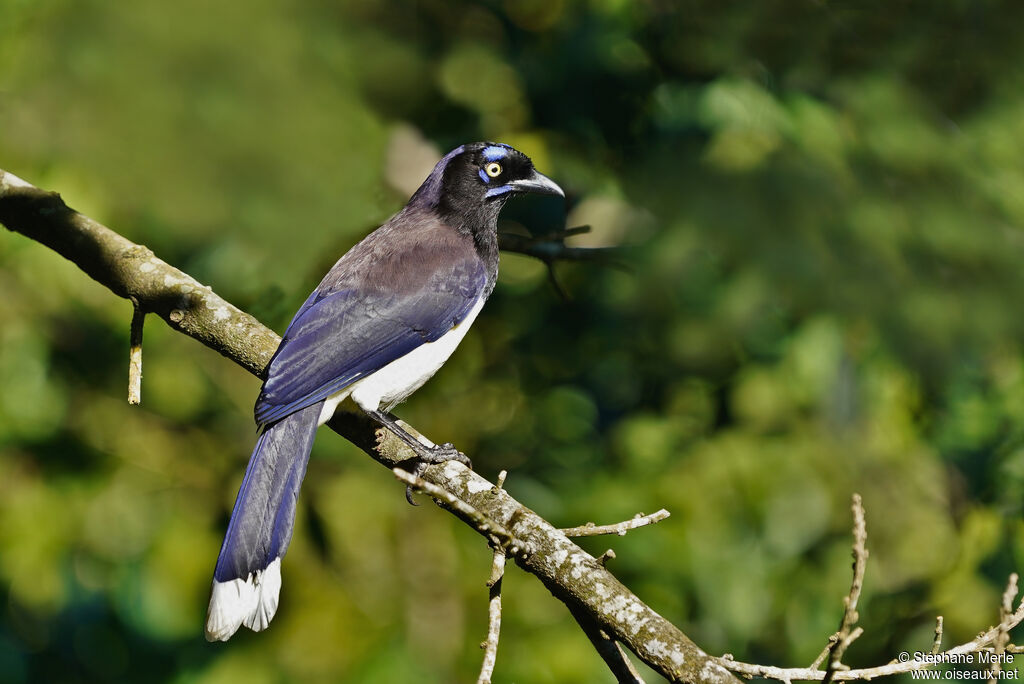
point(846, 635)
point(493, 531)
point(1002, 639)
point(133, 271)
point(550, 248)
point(490, 646)
point(571, 574)
point(639, 520)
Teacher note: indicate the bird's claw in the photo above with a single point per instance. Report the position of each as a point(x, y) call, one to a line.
point(417, 470)
point(441, 453)
point(448, 452)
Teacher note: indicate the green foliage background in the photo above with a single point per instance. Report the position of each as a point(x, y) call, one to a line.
point(823, 207)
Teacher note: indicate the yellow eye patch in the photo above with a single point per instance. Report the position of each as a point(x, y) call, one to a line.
point(493, 169)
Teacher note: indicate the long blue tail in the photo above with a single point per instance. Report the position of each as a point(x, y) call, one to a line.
point(247, 580)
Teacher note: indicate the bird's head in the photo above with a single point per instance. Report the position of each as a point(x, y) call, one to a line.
point(479, 177)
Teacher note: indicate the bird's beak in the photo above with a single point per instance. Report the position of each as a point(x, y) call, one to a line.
point(537, 183)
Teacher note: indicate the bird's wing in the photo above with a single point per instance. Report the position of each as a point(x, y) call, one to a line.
point(340, 336)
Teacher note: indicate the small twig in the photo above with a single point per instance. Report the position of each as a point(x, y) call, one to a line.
point(135, 354)
point(1003, 636)
point(493, 617)
point(553, 279)
point(847, 634)
point(569, 232)
point(824, 653)
point(639, 520)
point(851, 637)
point(500, 483)
point(501, 537)
point(937, 642)
point(552, 247)
point(610, 650)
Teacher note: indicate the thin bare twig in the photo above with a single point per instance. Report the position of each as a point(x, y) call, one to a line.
point(639, 520)
point(1003, 637)
point(824, 653)
point(610, 650)
point(847, 634)
point(135, 354)
point(553, 279)
point(551, 247)
point(937, 641)
point(493, 617)
point(495, 531)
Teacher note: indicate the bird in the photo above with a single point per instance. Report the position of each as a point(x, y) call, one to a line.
point(382, 321)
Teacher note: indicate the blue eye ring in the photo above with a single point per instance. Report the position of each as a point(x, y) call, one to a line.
point(493, 169)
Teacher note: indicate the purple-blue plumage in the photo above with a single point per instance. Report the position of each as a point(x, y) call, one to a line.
point(429, 193)
point(271, 484)
point(410, 282)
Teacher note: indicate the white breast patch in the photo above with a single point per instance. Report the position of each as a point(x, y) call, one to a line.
point(396, 381)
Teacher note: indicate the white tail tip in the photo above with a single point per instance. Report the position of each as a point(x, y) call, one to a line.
point(251, 602)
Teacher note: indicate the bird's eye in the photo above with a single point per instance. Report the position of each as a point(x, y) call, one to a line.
point(493, 169)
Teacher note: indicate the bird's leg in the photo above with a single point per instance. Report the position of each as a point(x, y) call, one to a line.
point(425, 455)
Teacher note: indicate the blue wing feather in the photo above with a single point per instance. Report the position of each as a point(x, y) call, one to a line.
point(350, 327)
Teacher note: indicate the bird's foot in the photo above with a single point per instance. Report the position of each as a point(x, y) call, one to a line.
point(441, 453)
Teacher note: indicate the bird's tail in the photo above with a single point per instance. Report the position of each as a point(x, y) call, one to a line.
point(247, 580)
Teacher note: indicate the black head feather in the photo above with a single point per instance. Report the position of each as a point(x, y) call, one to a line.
point(467, 190)
point(471, 184)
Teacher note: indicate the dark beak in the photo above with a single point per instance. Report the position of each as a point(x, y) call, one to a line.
point(537, 183)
